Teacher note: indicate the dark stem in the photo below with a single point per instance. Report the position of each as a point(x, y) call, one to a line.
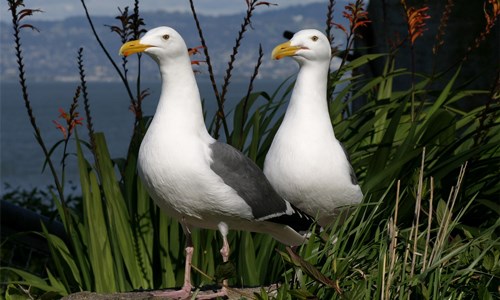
point(329, 20)
point(122, 77)
point(412, 56)
point(329, 24)
point(83, 84)
point(350, 41)
point(485, 116)
point(476, 43)
point(137, 32)
point(249, 91)
point(443, 23)
point(229, 70)
point(29, 109)
point(72, 110)
point(212, 77)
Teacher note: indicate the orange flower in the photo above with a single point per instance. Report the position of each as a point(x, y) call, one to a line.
point(416, 22)
point(71, 121)
point(193, 51)
point(61, 128)
point(75, 121)
point(63, 115)
point(197, 62)
point(356, 15)
point(495, 11)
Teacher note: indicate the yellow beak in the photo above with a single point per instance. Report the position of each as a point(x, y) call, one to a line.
point(133, 47)
point(283, 50)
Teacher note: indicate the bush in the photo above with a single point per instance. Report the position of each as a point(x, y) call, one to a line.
point(427, 169)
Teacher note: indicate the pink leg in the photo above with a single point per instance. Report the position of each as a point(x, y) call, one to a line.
point(185, 291)
point(224, 251)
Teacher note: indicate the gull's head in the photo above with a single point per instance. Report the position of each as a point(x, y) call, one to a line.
point(305, 45)
point(161, 43)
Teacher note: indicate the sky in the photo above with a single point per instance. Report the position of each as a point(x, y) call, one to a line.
point(60, 9)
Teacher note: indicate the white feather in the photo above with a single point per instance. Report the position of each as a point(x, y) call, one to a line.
point(306, 163)
point(175, 156)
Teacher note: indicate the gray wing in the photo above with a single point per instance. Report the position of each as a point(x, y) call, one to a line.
point(245, 177)
point(354, 179)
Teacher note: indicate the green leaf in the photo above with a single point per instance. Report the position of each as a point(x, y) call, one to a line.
point(381, 156)
point(241, 118)
point(254, 144)
point(311, 270)
point(440, 127)
point(120, 231)
point(247, 260)
point(31, 280)
point(444, 94)
point(441, 211)
point(57, 284)
point(13, 292)
point(100, 257)
point(59, 251)
point(491, 205)
point(362, 60)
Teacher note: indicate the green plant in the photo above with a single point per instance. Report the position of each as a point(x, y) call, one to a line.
point(414, 235)
point(434, 258)
point(120, 240)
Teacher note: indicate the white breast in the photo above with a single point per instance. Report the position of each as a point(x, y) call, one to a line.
point(306, 163)
point(176, 172)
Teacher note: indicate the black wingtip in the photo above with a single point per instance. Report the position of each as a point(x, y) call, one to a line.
point(297, 220)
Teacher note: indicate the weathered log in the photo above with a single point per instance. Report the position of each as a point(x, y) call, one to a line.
point(234, 293)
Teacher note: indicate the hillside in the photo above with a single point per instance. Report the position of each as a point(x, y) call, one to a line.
point(50, 55)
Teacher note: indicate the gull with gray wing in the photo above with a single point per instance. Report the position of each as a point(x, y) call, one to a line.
point(194, 178)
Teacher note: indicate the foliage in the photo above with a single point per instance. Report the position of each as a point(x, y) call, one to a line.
point(434, 258)
point(427, 169)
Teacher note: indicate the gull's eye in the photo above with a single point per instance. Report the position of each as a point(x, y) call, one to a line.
point(166, 37)
point(314, 38)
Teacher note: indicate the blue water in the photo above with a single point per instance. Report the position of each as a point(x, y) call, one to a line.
point(21, 157)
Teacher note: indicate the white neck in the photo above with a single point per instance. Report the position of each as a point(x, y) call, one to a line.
point(308, 100)
point(179, 107)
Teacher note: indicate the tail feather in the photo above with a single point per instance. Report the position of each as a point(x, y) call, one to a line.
point(295, 218)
